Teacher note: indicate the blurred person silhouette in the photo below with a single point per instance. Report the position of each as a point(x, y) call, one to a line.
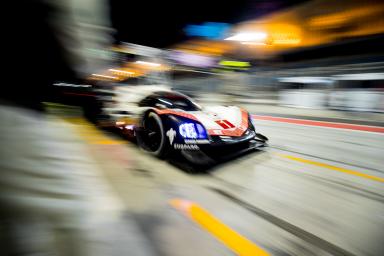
point(49, 188)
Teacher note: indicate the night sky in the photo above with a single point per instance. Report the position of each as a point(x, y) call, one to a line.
point(160, 23)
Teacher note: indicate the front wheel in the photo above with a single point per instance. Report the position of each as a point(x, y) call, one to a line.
point(151, 137)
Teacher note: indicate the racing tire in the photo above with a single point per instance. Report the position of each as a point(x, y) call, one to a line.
point(152, 137)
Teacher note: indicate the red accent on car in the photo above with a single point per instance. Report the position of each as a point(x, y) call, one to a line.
point(174, 112)
point(235, 132)
point(225, 124)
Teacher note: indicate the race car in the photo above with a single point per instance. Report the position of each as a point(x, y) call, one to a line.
point(164, 121)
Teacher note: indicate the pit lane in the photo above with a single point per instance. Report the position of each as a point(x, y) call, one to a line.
point(306, 194)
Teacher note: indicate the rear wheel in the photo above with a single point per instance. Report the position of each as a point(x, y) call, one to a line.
point(152, 137)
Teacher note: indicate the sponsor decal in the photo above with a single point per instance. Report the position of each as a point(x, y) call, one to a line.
point(225, 124)
point(185, 146)
point(235, 132)
point(171, 135)
point(196, 141)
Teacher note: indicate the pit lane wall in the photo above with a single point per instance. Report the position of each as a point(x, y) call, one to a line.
point(261, 89)
point(368, 100)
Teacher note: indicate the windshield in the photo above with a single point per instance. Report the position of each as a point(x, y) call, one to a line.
point(177, 101)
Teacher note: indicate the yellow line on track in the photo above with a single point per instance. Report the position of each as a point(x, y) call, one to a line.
point(332, 167)
point(233, 240)
point(91, 134)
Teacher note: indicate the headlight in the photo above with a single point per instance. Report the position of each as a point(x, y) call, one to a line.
point(192, 131)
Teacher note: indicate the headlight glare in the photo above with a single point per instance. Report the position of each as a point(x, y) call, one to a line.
point(192, 131)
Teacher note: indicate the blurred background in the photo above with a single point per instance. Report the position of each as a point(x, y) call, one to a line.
point(310, 73)
point(303, 54)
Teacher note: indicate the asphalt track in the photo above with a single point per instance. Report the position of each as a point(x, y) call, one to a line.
point(318, 189)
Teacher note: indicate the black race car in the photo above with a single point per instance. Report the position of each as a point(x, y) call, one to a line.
point(163, 121)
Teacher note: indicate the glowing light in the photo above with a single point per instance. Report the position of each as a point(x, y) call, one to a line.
point(210, 30)
point(287, 41)
point(253, 43)
point(121, 71)
point(129, 127)
point(232, 63)
point(306, 80)
point(248, 37)
point(104, 76)
point(362, 76)
point(148, 63)
point(188, 130)
point(192, 131)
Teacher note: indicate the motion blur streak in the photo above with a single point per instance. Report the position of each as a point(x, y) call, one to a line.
point(332, 167)
point(91, 134)
point(192, 128)
point(236, 242)
point(322, 124)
